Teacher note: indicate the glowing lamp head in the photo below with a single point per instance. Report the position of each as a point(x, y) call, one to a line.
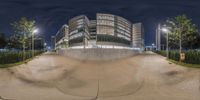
point(165, 30)
point(36, 30)
point(45, 44)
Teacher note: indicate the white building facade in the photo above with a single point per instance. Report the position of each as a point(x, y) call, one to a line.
point(107, 31)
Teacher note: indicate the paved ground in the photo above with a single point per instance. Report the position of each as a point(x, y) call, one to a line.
point(143, 77)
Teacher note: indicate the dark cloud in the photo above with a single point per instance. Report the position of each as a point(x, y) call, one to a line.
point(52, 14)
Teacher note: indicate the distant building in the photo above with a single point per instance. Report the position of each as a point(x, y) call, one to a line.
point(107, 31)
point(61, 38)
point(78, 31)
point(158, 37)
point(113, 31)
point(38, 43)
point(53, 42)
point(138, 36)
point(93, 33)
point(150, 48)
point(105, 24)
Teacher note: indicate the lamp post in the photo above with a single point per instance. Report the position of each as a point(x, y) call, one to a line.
point(166, 30)
point(34, 32)
point(66, 43)
point(153, 46)
point(45, 44)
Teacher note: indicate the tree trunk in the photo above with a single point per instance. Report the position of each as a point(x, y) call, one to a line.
point(180, 45)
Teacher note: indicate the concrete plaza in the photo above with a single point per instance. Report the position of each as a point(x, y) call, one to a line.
point(143, 77)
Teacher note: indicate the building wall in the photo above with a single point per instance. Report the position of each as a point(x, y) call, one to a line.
point(123, 28)
point(105, 24)
point(98, 53)
point(137, 36)
point(79, 27)
point(62, 38)
point(114, 25)
point(53, 42)
point(93, 29)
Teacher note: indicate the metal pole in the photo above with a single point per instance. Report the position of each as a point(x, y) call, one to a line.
point(23, 46)
point(167, 45)
point(158, 39)
point(32, 44)
point(180, 44)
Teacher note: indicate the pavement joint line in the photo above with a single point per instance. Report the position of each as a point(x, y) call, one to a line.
point(98, 85)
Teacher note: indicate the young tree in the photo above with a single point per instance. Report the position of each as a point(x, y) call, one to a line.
point(2, 40)
point(183, 33)
point(22, 31)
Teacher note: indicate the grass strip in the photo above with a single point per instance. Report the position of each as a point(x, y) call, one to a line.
point(15, 64)
point(185, 64)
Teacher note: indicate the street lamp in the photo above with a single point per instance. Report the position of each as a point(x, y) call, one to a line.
point(153, 46)
point(45, 44)
point(34, 32)
point(166, 30)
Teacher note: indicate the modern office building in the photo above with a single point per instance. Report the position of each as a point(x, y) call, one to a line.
point(61, 38)
point(39, 44)
point(93, 29)
point(53, 42)
point(137, 36)
point(105, 24)
point(93, 34)
point(123, 28)
point(79, 31)
point(113, 30)
point(107, 31)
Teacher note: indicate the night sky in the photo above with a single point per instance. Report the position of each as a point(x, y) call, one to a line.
point(50, 15)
